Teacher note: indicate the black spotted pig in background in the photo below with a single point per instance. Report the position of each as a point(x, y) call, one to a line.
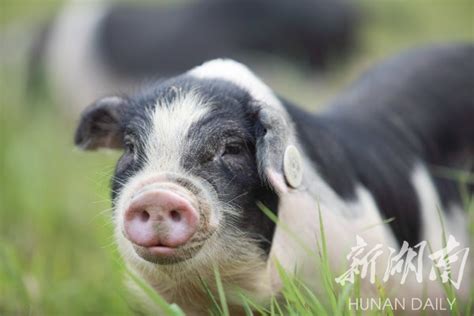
point(117, 45)
point(202, 149)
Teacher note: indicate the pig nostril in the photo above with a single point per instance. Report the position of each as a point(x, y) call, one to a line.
point(175, 216)
point(144, 216)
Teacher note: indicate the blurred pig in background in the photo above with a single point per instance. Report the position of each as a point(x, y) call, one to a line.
point(90, 50)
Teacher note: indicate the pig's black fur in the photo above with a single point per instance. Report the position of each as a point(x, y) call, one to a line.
point(417, 107)
point(148, 40)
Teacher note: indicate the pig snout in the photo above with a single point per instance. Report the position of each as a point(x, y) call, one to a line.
point(160, 220)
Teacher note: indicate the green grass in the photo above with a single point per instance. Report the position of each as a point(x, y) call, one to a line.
point(57, 255)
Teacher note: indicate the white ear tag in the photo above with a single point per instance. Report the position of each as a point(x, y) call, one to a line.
point(293, 166)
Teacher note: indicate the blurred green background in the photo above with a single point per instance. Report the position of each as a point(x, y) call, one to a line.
point(57, 253)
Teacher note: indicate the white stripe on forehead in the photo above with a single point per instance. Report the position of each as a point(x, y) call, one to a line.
point(239, 75)
point(171, 122)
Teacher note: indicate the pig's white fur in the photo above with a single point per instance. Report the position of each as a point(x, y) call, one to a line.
point(298, 211)
point(72, 58)
point(240, 75)
point(431, 211)
point(435, 219)
point(171, 123)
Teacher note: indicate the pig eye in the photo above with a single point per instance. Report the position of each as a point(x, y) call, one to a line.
point(128, 157)
point(129, 146)
point(232, 149)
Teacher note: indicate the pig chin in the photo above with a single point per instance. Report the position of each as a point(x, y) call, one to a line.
point(166, 220)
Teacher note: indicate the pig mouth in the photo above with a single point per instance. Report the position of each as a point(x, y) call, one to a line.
point(166, 223)
point(164, 255)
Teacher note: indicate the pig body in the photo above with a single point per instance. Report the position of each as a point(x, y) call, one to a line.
point(202, 149)
point(117, 46)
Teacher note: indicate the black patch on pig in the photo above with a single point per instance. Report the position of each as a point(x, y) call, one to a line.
point(223, 152)
point(415, 108)
point(308, 32)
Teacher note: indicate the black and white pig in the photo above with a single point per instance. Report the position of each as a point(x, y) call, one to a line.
point(117, 45)
point(201, 150)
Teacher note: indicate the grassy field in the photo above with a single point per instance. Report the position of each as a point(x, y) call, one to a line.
point(57, 255)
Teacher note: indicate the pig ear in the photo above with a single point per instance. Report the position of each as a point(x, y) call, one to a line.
point(272, 147)
point(100, 126)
